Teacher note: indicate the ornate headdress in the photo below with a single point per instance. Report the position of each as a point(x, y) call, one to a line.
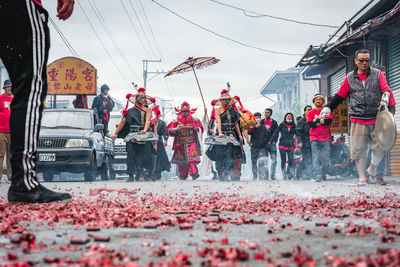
point(133, 97)
point(225, 95)
point(185, 107)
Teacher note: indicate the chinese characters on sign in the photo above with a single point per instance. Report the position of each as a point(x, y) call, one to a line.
point(340, 122)
point(71, 76)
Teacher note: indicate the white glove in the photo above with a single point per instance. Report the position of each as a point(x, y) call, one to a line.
point(385, 98)
point(325, 112)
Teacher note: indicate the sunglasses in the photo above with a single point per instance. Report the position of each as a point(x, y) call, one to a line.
point(363, 60)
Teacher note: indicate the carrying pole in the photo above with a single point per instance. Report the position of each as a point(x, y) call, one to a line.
point(202, 98)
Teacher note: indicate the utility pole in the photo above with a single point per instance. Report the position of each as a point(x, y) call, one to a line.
point(166, 106)
point(145, 71)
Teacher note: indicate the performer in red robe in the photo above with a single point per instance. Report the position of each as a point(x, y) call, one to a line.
point(186, 129)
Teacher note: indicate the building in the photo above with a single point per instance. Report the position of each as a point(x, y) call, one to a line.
point(292, 90)
point(376, 26)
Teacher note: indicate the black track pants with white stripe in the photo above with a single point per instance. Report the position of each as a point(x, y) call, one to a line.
point(24, 46)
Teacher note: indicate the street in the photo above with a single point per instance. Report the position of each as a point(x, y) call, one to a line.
point(208, 223)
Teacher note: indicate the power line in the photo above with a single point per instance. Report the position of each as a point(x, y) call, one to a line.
point(170, 88)
point(63, 38)
point(141, 26)
point(147, 39)
point(134, 28)
point(105, 48)
point(225, 37)
point(149, 26)
point(110, 35)
point(258, 15)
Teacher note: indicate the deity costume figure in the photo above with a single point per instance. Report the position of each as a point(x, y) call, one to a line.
point(187, 131)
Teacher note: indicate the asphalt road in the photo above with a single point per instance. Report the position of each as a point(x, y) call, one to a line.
point(253, 223)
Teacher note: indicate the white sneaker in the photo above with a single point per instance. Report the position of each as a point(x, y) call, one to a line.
point(361, 183)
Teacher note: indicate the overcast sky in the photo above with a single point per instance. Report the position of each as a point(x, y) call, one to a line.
point(246, 69)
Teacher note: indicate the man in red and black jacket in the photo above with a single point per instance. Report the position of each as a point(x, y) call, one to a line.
point(24, 50)
point(367, 89)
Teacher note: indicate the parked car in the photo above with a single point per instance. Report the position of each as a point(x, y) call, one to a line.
point(71, 140)
point(118, 163)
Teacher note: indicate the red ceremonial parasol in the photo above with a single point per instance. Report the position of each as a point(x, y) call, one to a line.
point(192, 64)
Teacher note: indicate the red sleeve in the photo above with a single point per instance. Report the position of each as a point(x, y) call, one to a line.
point(383, 86)
point(310, 116)
point(344, 89)
point(169, 127)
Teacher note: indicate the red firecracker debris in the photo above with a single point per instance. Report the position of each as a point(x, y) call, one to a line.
point(185, 226)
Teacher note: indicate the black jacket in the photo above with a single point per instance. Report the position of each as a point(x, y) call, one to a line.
point(98, 106)
point(287, 138)
point(261, 136)
point(303, 132)
point(162, 131)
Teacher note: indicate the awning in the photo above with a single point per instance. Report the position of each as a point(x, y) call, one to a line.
point(316, 54)
point(279, 81)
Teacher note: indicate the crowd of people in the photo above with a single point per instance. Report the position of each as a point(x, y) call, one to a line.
point(231, 127)
point(24, 35)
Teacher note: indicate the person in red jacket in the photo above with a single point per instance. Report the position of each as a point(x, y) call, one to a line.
point(24, 50)
point(5, 111)
point(320, 138)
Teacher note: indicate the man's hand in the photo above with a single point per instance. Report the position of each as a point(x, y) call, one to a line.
point(325, 112)
point(65, 8)
point(300, 145)
point(211, 132)
point(142, 132)
point(165, 143)
point(258, 125)
point(114, 137)
point(385, 98)
point(221, 135)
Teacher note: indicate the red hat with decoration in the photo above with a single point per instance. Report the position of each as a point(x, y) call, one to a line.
point(185, 107)
point(225, 95)
point(133, 99)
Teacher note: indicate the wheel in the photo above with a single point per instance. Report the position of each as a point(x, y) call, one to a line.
point(48, 176)
point(105, 169)
point(90, 173)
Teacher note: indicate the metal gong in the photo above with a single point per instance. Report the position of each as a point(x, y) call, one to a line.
point(385, 129)
point(146, 137)
point(216, 140)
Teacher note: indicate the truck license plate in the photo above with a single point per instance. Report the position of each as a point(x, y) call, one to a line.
point(47, 157)
point(120, 167)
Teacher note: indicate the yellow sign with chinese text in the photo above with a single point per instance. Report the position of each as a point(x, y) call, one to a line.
point(71, 76)
point(340, 122)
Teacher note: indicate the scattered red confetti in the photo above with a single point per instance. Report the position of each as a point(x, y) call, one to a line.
point(79, 240)
point(101, 238)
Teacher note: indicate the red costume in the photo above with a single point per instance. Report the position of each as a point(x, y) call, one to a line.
point(186, 130)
